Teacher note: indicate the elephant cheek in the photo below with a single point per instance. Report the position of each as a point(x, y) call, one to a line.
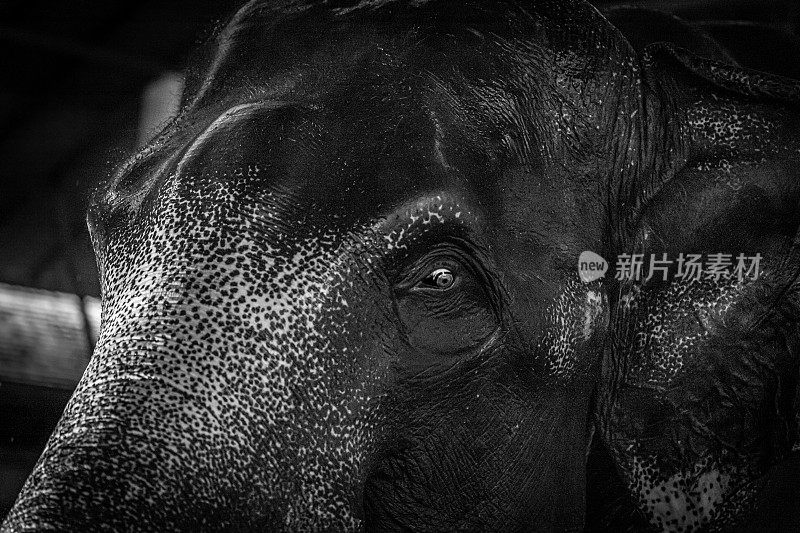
point(578, 318)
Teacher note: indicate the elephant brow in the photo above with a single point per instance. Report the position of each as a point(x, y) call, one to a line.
point(230, 117)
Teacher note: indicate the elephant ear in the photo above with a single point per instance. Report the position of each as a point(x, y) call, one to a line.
point(643, 26)
point(755, 45)
point(699, 400)
point(729, 134)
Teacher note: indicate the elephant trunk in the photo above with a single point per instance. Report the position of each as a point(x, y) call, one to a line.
point(116, 462)
point(145, 444)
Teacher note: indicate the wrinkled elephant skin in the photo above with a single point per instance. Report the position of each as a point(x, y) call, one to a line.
point(340, 289)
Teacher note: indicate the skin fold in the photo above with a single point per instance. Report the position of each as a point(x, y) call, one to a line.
point(340, 289)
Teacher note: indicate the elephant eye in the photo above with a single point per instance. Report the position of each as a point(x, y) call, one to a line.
point(445, 307)
point(441, 279)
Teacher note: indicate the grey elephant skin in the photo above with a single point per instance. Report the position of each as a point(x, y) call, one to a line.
point(340, 289)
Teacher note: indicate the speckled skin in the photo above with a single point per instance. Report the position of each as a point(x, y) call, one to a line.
point(700, 395)
point(273, 353)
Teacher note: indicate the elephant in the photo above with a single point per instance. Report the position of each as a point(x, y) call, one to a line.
point(341, 288)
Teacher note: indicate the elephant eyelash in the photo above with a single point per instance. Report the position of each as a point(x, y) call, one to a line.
point(412, 278)
point(441, 279)
point(433, 283)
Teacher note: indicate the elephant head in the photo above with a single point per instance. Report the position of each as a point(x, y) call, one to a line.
point(340, 288)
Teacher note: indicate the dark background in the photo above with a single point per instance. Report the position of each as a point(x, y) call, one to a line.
point(73, 74)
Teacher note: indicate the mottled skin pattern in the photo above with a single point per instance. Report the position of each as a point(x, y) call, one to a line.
point(278, 353)
point(700, 381)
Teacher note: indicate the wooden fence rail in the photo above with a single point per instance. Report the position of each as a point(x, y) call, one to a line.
point(46, 338)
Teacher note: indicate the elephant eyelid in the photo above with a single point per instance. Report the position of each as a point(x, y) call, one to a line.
point(438, 263)
point(436, 280)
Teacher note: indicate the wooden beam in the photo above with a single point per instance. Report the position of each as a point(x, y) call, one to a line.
point(161, 101)
point(43, 336)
